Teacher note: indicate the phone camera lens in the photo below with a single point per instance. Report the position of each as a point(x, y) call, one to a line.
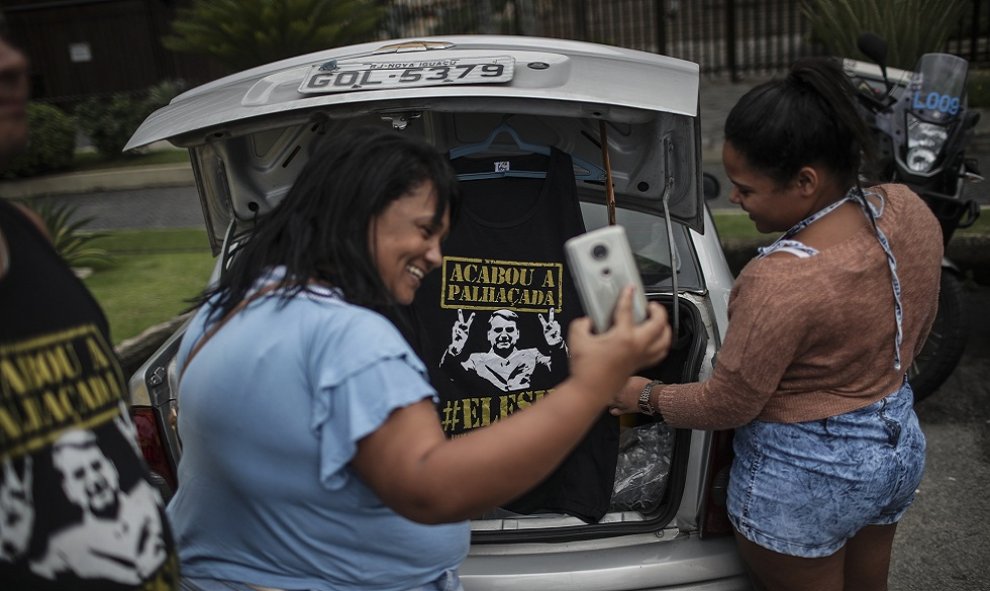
point(600, 251)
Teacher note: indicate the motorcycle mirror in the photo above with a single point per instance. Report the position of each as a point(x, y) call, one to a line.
point(710, 186)
point(874, 47)
point(972, 118)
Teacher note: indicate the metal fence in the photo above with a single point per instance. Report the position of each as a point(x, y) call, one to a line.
point(725, 37)
point(972, 39)
point(75, 45)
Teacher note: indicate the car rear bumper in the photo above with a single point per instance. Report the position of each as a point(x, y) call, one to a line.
point(636, 563)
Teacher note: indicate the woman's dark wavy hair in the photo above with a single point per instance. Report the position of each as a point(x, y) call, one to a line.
point(320, 229)
point(809, 117)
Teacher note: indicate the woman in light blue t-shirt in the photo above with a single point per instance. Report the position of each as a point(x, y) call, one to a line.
point(313, 456)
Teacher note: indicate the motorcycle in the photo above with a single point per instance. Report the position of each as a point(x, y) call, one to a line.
point(922, 127)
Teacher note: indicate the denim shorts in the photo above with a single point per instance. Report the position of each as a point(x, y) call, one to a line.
point(803, 489)
point(448, 581)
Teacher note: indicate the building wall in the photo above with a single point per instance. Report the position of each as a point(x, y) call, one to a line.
point(81, 48)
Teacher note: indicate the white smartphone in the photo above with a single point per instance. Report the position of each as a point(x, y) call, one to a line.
point(602, 264)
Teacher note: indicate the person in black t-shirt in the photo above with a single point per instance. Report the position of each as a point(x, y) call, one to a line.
point(77, 510)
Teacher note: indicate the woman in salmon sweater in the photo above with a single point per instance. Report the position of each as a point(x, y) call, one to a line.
point(823, 325)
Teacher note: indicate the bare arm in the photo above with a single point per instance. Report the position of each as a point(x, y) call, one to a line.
point(422, 475)
point(758, 348)
point(34, 219)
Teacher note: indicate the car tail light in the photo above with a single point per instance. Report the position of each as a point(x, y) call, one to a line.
point(715, 519)
point(153, 446)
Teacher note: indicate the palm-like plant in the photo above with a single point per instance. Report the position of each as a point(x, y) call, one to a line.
point(245, 33)
point(70, 240)
point(910, 27)
point(484, 16)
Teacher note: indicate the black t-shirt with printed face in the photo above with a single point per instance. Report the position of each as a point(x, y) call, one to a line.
point(77, 510)
point(493, 318)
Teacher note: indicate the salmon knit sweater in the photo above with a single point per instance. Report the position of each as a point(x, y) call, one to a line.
point(810, 338)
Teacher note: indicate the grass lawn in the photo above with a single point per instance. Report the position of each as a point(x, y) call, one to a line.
point(157, 271)
point(982, 225)
point(735, 226)
point(155, 274)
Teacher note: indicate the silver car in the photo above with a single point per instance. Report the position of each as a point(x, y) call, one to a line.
point(629, 121)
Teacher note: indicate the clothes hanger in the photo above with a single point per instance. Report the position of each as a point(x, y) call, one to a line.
point(486, 144)
point(588, 172)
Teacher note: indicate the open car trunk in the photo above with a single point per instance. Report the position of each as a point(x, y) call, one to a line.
point(624, 118)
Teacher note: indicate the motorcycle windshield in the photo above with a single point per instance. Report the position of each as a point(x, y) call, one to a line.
point(936, 92)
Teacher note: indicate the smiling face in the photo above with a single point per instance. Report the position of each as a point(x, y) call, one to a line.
point(771, 206)
point(405, 241)
point(13, 101)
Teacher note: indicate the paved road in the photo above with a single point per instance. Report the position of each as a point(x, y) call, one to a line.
point(178, 207)
point(943, 542)
point(173, 207)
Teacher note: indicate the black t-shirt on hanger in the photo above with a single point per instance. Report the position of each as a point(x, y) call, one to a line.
point(493, 318)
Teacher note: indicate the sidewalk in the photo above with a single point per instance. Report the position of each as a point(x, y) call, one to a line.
point(110, 179)
point(163, 175)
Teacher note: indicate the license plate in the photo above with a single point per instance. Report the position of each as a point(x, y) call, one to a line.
point(346, 77)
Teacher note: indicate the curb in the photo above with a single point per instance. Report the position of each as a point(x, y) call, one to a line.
point(136, 350)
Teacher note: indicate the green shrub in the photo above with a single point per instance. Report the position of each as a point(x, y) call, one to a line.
point(52, 142)
point(162, 93)
point(244, 33)
point(109, 123)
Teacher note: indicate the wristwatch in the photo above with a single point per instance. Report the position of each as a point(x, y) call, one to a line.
point(644, 400)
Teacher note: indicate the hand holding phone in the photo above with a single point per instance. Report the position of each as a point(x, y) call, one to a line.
point(602, 264)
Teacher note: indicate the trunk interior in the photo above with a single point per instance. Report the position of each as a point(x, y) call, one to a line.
point(651, 469)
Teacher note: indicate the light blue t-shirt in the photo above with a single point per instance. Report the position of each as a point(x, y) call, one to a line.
point(271, 410)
